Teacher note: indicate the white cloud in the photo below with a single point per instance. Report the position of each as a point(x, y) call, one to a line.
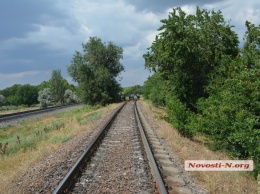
point(189, 9)
point(238, 13)
point(119, 21)
point(53, 38)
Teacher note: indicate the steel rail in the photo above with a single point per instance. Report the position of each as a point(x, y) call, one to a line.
point(75, 170)
point(153, 165)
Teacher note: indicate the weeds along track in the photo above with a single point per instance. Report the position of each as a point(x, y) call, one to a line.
point(6, 119)
point(116, 161)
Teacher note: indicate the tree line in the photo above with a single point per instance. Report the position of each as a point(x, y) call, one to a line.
point(95, 69)
point(208, 83)
point(56, 91)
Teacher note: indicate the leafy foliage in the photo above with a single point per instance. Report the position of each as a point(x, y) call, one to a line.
point(27, 94)
point(137, 90)
point(96, 70)
point(231, 115)
point(43, 85)
point(45, 98)
point(20, 94)
point(11, 94)
point(2, 100)
point(70, 97)
point(179, 116)
point(188, 50)
point(155, 89)
point(57, 86)
point(213, 87)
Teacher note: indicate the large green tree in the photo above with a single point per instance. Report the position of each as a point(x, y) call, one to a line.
point(96, 70)
point(188, 50)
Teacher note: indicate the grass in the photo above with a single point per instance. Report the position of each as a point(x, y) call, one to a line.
point(27, 134)
point(186, 149)
point(57, 139)
point(92, 117)
point(29, 141)
point(13, 109)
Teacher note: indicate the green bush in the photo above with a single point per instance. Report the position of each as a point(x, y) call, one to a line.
point(155, 89)
point(91, 117)
point(231, 115)
point(179, 116)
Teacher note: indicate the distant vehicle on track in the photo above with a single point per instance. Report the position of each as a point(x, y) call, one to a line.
point(133, 97)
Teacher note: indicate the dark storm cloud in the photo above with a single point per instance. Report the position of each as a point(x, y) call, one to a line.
point(32, 58)
point(17, 17)
point(18, 51)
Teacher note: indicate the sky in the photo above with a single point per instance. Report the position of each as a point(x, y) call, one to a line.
point(37, 37)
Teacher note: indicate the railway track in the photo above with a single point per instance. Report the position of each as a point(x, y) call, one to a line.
point(118, 160)
point(17, 115)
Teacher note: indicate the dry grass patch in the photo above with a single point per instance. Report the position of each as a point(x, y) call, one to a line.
point(13, 166)
point(50, 133)
point(186, 149)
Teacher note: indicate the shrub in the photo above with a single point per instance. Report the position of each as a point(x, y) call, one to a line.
point(70, 97)
point(45, 98)
point(231, 115)
point(179, 116)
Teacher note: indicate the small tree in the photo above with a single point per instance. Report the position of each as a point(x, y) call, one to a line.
point(45, 98)
point(57, 86)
